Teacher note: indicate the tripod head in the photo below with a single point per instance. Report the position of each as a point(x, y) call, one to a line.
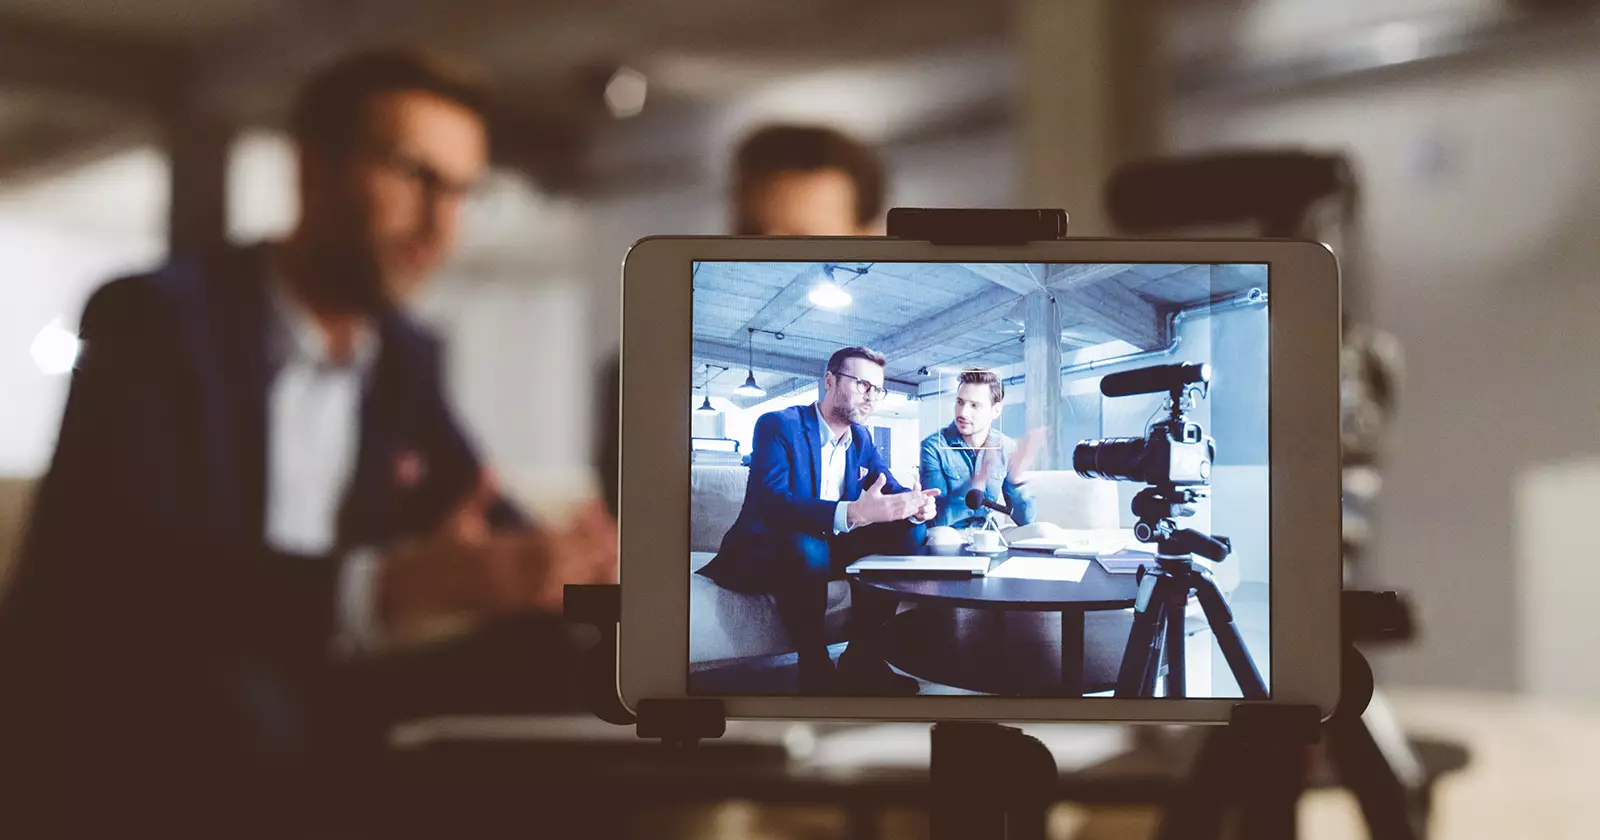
point(1158, 508)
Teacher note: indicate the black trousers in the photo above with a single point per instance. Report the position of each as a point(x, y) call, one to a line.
point(805, 563)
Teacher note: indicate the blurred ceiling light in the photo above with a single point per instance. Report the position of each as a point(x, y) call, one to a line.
point(55, 348)
point(706, 405)
point(625, 92)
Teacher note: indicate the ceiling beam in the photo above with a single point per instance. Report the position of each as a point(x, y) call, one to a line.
point(963, 317)
point(1121, 313)
point(1069, 278)
point(780, 306)
point(1098, 301)
point(1019, 278)
point(737, 357)
point(130, 74)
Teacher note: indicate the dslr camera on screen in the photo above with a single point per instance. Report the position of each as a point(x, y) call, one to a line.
point(1174, 459)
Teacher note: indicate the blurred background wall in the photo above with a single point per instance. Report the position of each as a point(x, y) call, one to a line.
point(1472, 123)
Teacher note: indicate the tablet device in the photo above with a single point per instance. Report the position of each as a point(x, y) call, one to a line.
point(858, 374)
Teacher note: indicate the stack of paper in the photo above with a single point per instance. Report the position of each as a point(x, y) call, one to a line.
point(1070, 570)
point(1126, 561)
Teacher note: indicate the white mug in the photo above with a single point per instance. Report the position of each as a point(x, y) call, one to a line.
point(984, 539)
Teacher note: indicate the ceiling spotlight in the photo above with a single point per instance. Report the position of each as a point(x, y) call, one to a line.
point(828, 295)
point(625, 92)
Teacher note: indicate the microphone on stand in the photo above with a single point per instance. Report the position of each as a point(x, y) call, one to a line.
point(976, 500)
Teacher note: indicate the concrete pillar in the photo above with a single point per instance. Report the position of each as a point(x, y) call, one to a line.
point(1041, 364)
point(198, 145)
point(1093, 96)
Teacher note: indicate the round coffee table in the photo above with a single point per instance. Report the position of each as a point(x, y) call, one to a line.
point(985, 634)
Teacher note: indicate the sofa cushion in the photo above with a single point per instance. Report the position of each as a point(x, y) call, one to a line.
point(716, 492)
point(1072, 501)
point(727, 625)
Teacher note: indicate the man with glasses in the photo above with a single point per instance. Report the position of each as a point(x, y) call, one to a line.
point(259, 493)
point(820, 497)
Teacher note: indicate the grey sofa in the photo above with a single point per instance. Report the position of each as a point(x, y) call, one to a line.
point(727, 626)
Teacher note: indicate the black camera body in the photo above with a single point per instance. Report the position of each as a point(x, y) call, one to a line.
point(1173, 458)
point(1175, 452)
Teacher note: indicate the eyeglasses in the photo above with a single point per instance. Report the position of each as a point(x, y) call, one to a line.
point(865, 388)
point(425, 176)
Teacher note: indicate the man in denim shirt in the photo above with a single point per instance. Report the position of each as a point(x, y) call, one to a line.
point(970, 453)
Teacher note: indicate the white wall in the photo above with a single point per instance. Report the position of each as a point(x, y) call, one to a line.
point(1483, 191)
point(59, 240)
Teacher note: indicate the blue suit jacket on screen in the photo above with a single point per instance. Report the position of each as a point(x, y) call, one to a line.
point(784, 497)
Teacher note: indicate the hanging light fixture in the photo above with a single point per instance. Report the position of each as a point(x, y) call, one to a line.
point(706, 405)
point(750, 388)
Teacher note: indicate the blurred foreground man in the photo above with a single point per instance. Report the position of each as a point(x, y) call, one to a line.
point(259, 493)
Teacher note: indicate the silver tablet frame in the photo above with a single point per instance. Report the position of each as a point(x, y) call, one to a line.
point(1305, 581)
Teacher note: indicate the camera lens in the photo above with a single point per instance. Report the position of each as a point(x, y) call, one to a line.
point(1119, 459)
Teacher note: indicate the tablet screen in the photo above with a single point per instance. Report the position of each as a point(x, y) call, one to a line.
point(961, 478)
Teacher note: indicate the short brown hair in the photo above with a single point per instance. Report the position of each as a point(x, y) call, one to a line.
point(330, 107)
point(806, 148)
point(997, 389)
point(839, 357)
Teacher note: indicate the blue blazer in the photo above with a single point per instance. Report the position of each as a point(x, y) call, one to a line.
point(160, 662)
point(784, 497)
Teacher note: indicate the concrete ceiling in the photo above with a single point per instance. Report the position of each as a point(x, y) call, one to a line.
point(929, 318)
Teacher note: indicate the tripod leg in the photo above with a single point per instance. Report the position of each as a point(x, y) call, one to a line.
point(1142, 641)
point(1220, 618)
point(1152, 665)
point(1177, 664)
point(1196, 809)
point(1390, 811)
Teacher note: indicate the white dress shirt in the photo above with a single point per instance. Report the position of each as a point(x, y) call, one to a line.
point(313, 436)
point(835, 457)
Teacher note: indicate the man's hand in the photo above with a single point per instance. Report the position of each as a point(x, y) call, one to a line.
point(464, 571)
point(1027, 450)
point(929, 508)
point(876, 506)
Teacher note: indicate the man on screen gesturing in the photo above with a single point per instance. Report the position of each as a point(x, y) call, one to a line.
point(821, 497)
